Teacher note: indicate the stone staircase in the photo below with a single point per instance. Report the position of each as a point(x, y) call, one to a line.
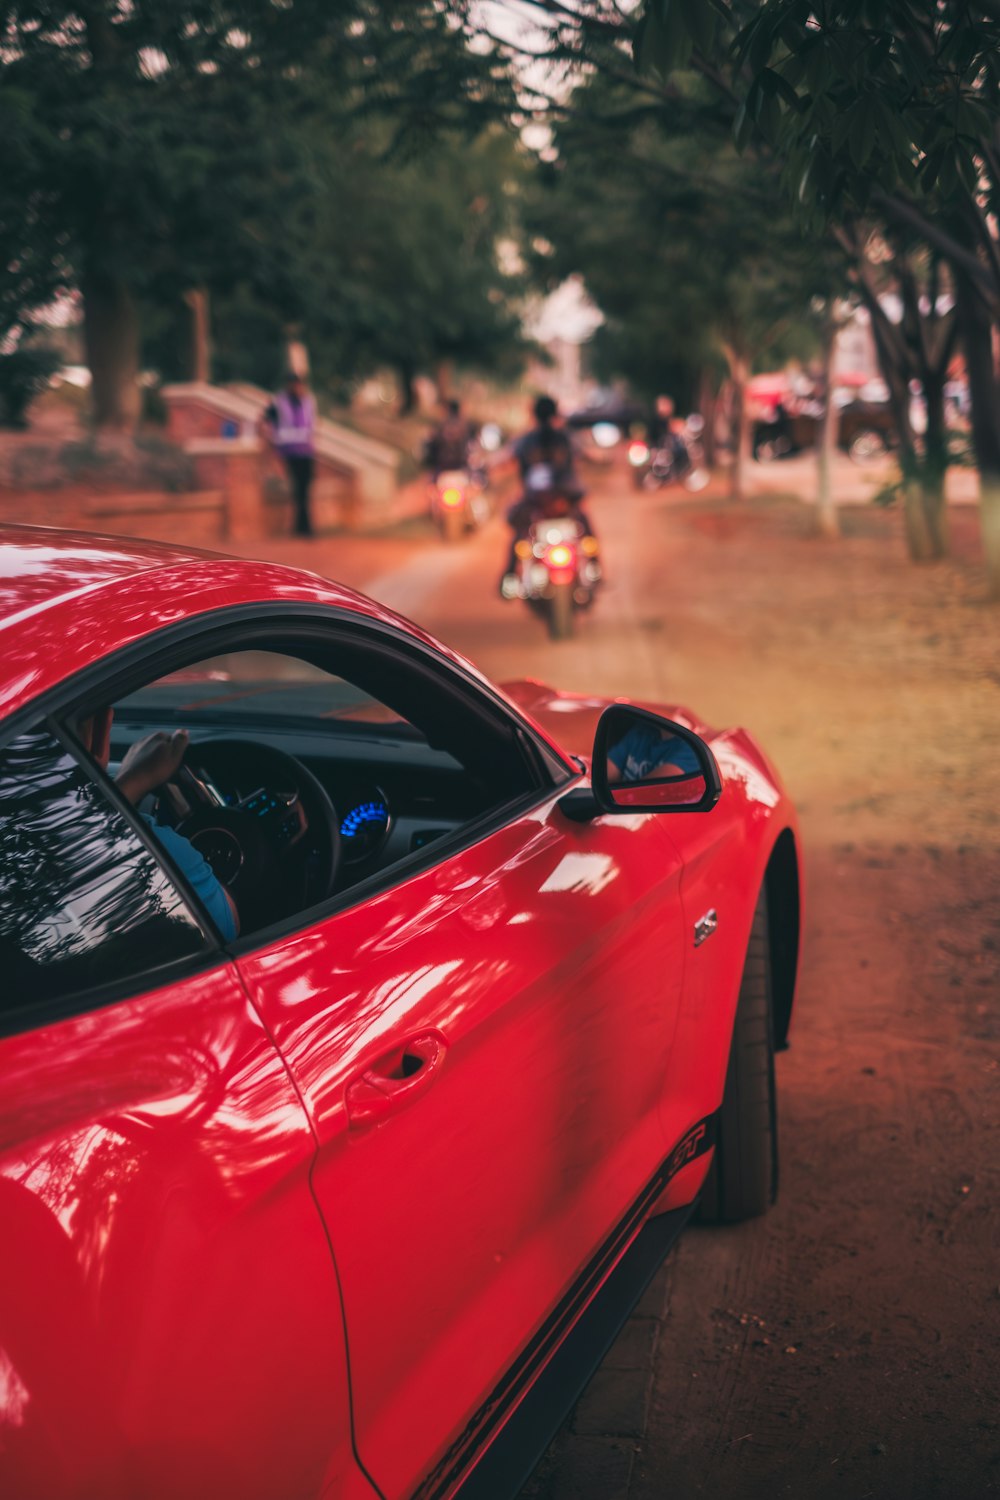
point(210, 421)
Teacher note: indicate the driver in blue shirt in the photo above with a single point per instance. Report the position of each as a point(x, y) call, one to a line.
point(647, 752)
point(146, 765)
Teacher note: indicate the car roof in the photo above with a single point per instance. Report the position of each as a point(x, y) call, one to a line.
point(69, 598)
point(41, 567)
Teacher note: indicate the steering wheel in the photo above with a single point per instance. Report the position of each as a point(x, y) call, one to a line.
point(277, 849)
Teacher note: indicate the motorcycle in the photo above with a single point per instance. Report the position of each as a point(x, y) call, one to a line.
point(458, 502)
point(557, 567)
point(654, 467)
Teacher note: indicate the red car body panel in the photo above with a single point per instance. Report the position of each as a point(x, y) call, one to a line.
point(150, 1152)
point(242, 1252)
point(529, 1143)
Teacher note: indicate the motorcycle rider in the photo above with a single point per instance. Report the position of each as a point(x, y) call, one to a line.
point(448, 445)
point(666, 432)
point(545, 459)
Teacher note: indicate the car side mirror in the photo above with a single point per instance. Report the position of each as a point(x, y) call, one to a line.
point(648, 764)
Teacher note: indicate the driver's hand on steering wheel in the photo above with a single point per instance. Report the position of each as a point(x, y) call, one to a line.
point(150, 762)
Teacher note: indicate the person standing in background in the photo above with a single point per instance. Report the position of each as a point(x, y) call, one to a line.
point(290, 424)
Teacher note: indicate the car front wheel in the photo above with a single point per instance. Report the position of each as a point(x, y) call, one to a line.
point(742, 1181)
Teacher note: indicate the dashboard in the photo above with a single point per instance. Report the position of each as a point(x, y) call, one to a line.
point(382, 822)
point(391, 797)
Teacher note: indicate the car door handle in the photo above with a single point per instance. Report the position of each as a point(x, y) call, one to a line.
point(395, 1080)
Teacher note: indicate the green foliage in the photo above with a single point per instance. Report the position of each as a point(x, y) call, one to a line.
point(379, 259)
point(166, 144)
point(857, 97)
point(691, 252)
point(24, 373)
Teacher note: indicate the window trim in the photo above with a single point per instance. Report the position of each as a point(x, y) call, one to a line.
point(121, 671)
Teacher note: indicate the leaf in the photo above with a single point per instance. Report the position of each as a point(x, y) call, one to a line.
point(968, 171)
point(665, 43)
point(897, 131)
point(860, 135)
point(930, 169)
point(780, 86)
point(701, 21)
point(742, 127)
point(948, 179)
point(820, 69)
point(769, 117)
point(839, 131)
point(805, 182)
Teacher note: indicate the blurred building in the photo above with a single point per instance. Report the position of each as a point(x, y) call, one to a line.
point(562, 323)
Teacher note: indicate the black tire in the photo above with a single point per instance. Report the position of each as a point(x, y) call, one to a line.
point(742, 1181)
point(452, 525)
point(561, 612)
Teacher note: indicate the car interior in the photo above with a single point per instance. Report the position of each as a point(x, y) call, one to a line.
point(316, 765)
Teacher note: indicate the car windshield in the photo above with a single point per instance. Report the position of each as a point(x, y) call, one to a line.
point(250, 687)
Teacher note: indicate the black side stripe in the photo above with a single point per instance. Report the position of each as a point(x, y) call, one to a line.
point(463, 1452)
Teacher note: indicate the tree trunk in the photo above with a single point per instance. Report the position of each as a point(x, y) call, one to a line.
point(977, 339)
point(921, 519)
point(200, 343)
point(739, 368)
point(708, 404)
point(407, 375)
point(919, 508)
point(827, 519)
point(935, 464)
point(111, 342)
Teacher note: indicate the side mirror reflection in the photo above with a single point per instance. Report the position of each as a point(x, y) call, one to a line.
point(676, 792)
point(646, 763)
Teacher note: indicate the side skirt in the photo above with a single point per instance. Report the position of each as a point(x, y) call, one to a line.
point(512, 1429)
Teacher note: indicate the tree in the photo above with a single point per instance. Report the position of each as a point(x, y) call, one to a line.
point(144, 141)
point(880, 111)
point(887, 108)
point(380, 258)
point(691, 253)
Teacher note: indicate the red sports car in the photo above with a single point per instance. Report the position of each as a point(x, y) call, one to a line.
point(368, 1032)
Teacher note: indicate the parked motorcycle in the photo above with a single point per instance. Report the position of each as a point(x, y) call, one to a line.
point(557, 567)
point(459, 503)
point(677, 462)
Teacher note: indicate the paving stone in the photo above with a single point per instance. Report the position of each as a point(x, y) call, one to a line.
point(653, 1303)
point(614, 1404)
point(633, 1348)
point(593, 1469)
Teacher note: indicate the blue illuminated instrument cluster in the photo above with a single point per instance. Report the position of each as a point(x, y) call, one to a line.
point(364, 828)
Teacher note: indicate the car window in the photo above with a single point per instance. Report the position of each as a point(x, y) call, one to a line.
point(241, 689)
point(309, 771)
point(83, 903)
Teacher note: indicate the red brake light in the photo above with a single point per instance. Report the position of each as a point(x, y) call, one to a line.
point(559, 556)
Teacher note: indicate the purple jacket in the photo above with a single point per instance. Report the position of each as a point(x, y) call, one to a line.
point(294, 425)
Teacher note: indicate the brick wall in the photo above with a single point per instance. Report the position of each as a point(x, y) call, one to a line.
point(195, 519)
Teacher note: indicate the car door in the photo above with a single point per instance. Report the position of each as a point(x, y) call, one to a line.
point(481, 1047)
point(169, 1316)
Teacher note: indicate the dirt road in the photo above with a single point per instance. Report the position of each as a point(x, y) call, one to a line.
point(847, 1345)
